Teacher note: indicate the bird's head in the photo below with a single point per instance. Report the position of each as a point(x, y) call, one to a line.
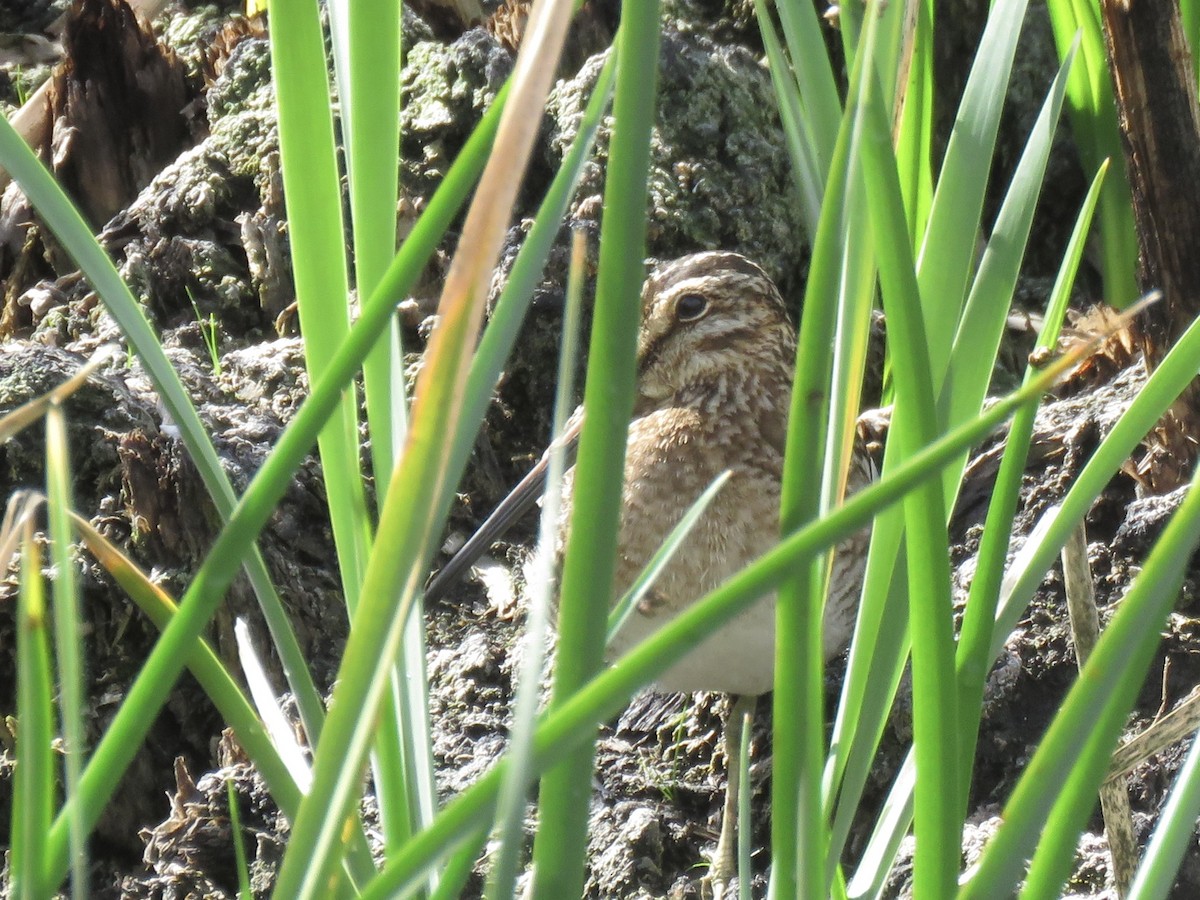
point(707, 317)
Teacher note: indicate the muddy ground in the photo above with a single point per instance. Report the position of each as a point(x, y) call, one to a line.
point(193, 214)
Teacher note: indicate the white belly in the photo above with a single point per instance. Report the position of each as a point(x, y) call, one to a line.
point(738, 658)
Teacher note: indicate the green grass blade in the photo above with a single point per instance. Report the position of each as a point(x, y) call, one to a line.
point(33, 791)
point(370, 95)
point(803, 32)
point(1093, 116)
point(1160, 391)
point(947, 255)
point(239, 848)
point(937, 826)
point(366, 49)
point(745, 823)
point(974, 646)
point(1163, 387)
point(879, 856)
point(68, 641)
point(914, 129)
point(459, 868)
point(1172, 836)
point(1190, 16)
point(316, 231)
point(510, 817)
point(856, 299)
point(874, 668)
point(587, 579)
point(312, 194)
point(808, 170)
point(878, 657)
point(797, 839)
point(984, 318)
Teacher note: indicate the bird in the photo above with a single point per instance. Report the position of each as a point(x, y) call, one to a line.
point(716, 354)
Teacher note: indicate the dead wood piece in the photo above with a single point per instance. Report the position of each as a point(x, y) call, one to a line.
point(220, 47)
point(1155, 89)
point(1085, 629)
point(190, 852)
point(117, 108)
point(1160, 124)
point(1117, 349)
point(166, 501)
point(30, 121)
point(1181, 722)
point(112, 116)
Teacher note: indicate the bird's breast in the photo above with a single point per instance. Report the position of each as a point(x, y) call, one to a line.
point(671, 458)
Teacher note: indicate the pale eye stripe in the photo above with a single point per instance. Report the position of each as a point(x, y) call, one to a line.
point(701, 284)
point(726, 337)
point(728, 283)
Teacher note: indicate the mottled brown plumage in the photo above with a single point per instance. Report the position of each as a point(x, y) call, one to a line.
point(716, 353)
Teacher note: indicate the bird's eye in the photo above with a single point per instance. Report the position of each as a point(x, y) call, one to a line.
point(690, 307)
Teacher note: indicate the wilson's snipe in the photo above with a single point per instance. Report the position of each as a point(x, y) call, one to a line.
point(715, 362)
